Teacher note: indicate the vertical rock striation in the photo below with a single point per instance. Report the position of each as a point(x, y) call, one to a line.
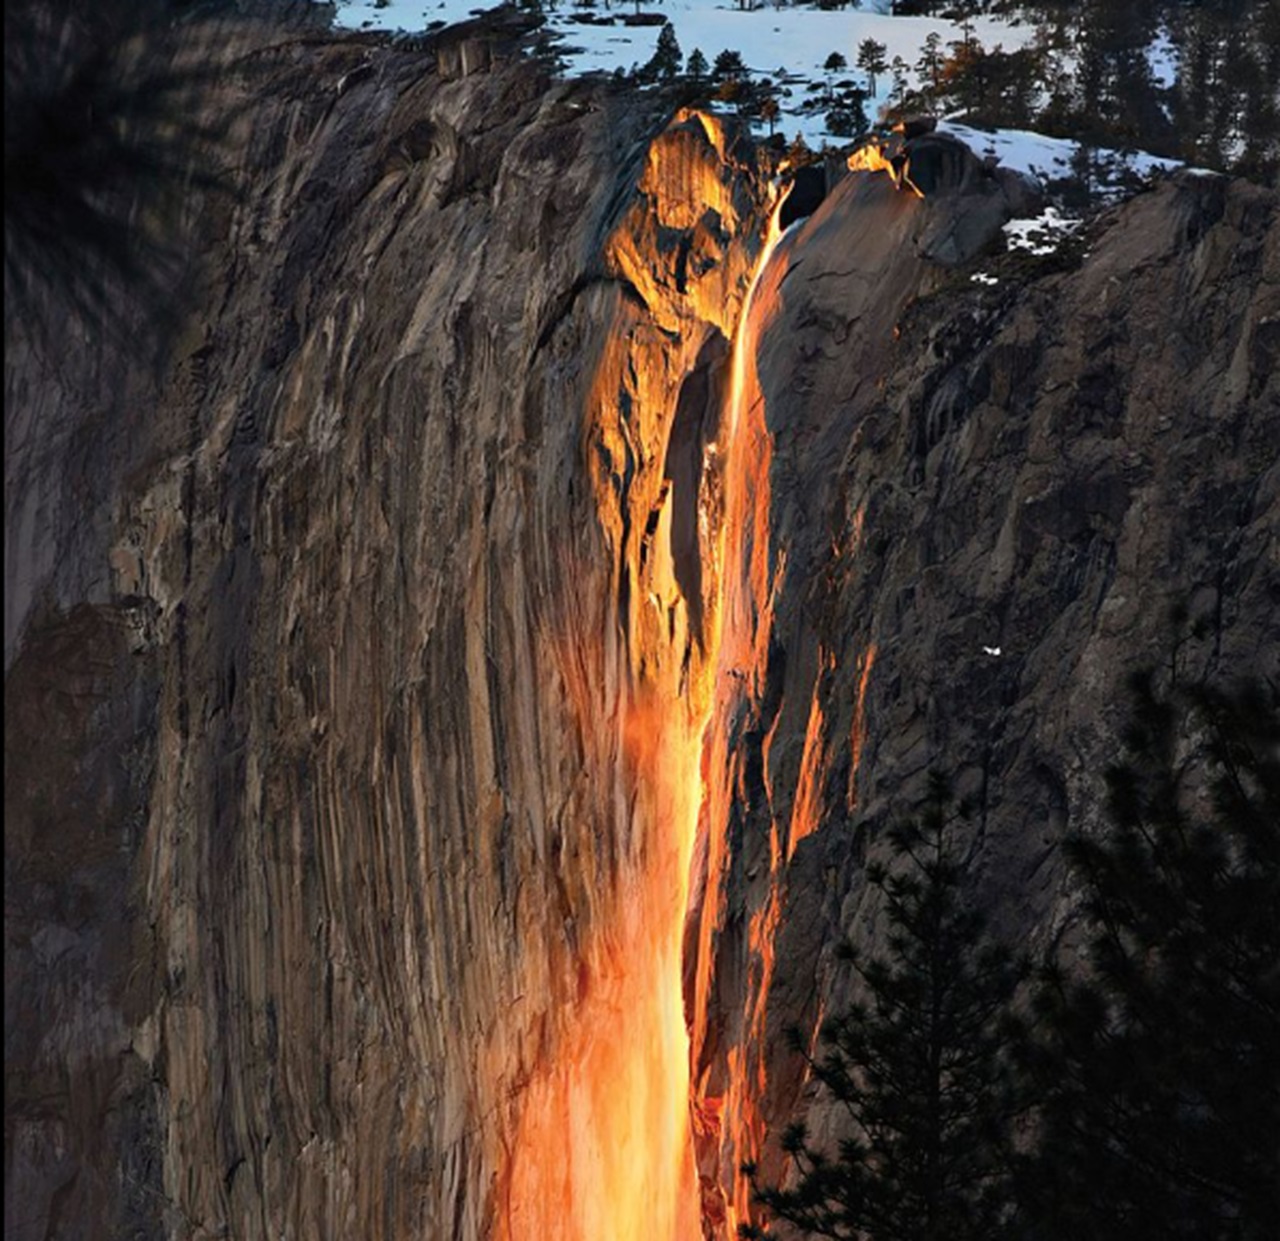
point(346, 656)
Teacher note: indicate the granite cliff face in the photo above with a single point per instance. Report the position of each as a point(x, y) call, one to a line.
point(449, 705)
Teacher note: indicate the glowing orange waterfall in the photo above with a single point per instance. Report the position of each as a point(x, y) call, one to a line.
point(727, 1114)
point(604, 1148)
point(730, 1038)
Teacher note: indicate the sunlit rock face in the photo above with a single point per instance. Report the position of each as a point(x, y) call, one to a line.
point(449, 705)
point(603, 1146)
point(357, 680)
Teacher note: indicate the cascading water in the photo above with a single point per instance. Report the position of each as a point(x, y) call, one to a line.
point(605, 1147)
point(746, 578)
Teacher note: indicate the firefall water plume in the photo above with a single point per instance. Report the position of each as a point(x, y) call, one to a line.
point(732, 1087)
point(743, 535)
point(729, 1119)
point(604, 1147)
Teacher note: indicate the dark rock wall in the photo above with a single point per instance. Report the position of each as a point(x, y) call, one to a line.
point(324, 641)
point(1041, 468)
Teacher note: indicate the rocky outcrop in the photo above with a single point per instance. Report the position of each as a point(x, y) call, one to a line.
point(357, 662)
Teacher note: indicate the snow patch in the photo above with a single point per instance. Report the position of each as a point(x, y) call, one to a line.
point(1109, 173)
point(1049, 159)
point(1041, 234)
point(1162, 56)
point(790, 46)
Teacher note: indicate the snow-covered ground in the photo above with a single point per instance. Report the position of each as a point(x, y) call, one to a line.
point(790, 45)
point(1050, 159)
point(1041, 235)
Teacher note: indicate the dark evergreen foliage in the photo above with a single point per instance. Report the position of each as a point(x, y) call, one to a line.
point(1193, 81)
point(871, 60)
point(1158, 1069)
point(919, 1065)
point(1143, 1071)
point(667, 57)
point(729, 65)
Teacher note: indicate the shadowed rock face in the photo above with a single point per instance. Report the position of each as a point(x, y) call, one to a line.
point(347, 660)
point(968, 203)
point(938, 164)
point(807, 190)
point(990, 498)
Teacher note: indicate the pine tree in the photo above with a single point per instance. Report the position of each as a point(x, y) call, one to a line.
point(929, 66)
point(964, 74)
point(835, 63)
point(667, 56)
point(900, 80)
point(799, 153)
point(769, 112)
point(871, 59)
point(842, 123)
point(919, 1065)
point(847, 116)
point(729, 66)
point(696, 66)
point(1159, 1067)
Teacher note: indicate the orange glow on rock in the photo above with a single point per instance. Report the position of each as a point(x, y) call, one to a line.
point(731, 1046)
point(605, 1123)
point(749, 572)
point(857, 730)
point(873, 158)
point(603, 1148)
point(807, 807)
point(615, 1139)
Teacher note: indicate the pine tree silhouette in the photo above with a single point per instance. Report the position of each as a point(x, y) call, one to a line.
point(1159, 1069)
point(919, 1065)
